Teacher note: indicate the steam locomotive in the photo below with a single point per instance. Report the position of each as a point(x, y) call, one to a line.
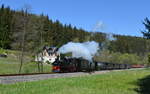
point(82, 65)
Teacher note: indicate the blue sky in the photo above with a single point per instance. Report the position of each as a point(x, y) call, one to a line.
point(117, 16)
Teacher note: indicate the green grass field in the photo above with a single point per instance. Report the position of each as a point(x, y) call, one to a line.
point(119, 82)
point(10, 65)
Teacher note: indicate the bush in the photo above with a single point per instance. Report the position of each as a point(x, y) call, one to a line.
point(129, 59)
point(126, 58)
point(2, 51)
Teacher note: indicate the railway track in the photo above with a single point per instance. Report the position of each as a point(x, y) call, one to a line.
point(11, 79)
point(24, 74)
point(14, 78)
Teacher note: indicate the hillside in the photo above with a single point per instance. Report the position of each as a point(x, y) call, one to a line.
point(39, 30)
point(23, 31)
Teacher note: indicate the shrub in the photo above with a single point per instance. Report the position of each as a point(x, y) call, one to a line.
point(126, 58)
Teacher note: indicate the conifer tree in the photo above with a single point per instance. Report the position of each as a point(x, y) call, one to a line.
point(146, 33)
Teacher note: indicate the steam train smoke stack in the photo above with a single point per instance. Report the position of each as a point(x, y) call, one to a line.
point(85, 50)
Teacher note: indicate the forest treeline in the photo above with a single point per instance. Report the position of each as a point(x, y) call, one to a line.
point(23, 29)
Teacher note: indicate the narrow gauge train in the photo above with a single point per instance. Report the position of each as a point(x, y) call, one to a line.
point(82, 65)
point(72, 65)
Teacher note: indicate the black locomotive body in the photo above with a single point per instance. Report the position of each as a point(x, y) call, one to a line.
point(72, 65)
point(79, 64)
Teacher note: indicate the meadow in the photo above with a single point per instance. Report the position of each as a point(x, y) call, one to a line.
point(11, 64)
point(116, 82)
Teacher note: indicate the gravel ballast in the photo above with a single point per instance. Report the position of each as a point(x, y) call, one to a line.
point(26, 78)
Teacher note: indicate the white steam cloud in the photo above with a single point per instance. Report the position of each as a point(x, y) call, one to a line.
point(85, 50)
point(110, 37)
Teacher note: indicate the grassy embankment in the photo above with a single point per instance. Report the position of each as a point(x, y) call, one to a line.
point(10, 65)
point(121, 82)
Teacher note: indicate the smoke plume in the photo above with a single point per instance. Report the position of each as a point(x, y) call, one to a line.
point(110, 37)
point(85, 50)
